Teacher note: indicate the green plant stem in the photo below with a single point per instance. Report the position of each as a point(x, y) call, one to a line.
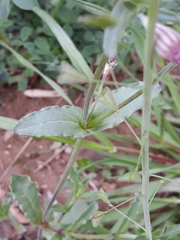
point(148, 69)
point(70, 163)
point(78, 143)
point(92, 87)
point(156, 79)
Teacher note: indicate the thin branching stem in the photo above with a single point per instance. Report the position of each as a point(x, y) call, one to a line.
point(148, 70)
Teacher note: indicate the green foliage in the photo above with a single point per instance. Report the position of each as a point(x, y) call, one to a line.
point(4, 208)
point(25, 194)
point(26, 4)
point(4, 9)
point(35, 49)
point(53, 121)
point(114, 34)
point(66, 43)
point(67, 120)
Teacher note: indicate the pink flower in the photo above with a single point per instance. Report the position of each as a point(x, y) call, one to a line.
point(166, 41)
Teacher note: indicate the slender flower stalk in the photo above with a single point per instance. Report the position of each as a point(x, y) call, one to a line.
point(146, 113)
point(166, 41)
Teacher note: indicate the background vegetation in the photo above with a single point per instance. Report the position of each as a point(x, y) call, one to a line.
point(29, 47)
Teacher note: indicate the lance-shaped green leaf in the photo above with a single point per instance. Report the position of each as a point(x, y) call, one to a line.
point(52, 121)
point(70, 75)
point(123, 12)
point(92, 8)
point(26, 4)
point(26, 195)
point(27, 64)
point(120, 95)
point(66, 43)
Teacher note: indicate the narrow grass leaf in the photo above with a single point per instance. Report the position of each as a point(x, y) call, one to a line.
point(52, 121)
point(7, 123)
point(27, 64)
point(26, 195)
point(92, 8)
point(154, 132)
point(66, 43)
point(170, 129)
point(132, 213)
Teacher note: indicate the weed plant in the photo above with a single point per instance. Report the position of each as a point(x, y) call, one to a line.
point(79, 218)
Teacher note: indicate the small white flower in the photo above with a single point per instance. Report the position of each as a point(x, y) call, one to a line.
point(166, 41)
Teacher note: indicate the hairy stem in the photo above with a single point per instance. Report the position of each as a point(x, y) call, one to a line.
point(148, 69)
point(92, 87)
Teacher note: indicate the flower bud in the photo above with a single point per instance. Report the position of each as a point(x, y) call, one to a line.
point(166, 41)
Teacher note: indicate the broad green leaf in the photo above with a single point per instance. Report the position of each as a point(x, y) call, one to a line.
point(26, 4)
point(120, 95)
point(92, 8)
point(26, 195)
point(4, 9)
point(7, 123)
point(27, 64)
point(42, 44)
point(66, 43)
point(113, 35)
point(52, 121)
point(25, 33)
point(70, 75)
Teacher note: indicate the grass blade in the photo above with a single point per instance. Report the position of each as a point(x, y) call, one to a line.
point(66, 43)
